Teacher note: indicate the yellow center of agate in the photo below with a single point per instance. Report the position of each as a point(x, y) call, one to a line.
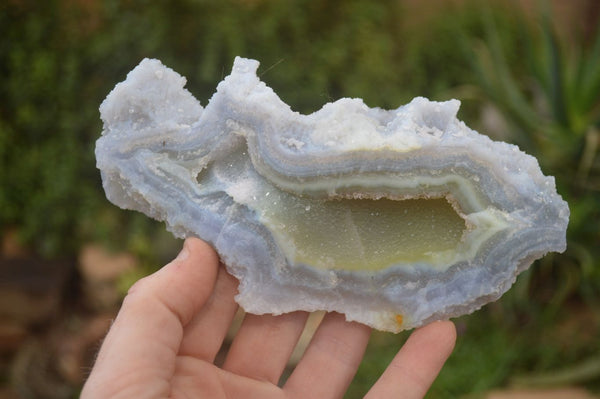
point(366, 234)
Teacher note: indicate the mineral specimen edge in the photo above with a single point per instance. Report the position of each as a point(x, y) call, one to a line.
point(393, 217)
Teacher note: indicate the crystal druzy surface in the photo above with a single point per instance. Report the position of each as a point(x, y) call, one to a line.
point(393, 217)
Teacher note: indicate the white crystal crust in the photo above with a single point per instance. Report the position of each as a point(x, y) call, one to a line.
point(268, 187)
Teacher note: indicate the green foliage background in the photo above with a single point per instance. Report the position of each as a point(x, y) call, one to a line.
point(59, 59)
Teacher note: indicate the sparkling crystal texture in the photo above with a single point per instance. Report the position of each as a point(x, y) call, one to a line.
point(393, 217)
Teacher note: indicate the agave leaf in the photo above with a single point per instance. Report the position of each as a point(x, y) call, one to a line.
point(587, 370)
point(555, 89)
point(590, 79)
point(505, 89)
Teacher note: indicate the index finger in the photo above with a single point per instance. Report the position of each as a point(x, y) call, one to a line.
point(145, 337)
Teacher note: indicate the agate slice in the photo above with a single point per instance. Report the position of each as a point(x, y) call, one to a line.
point(393, 217)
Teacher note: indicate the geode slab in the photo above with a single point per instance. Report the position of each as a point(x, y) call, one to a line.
point(393, 217)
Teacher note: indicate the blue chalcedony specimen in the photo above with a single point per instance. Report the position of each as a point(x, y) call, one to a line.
point(393, 217)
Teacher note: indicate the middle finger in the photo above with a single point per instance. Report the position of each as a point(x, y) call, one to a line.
point(269, 338)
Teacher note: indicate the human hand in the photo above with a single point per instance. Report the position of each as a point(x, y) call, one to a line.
point(172, 324)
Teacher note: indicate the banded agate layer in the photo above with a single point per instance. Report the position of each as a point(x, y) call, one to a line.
point(393, 217)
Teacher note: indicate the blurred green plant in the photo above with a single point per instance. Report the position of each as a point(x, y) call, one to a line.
point(50, 192)
point(551, 101)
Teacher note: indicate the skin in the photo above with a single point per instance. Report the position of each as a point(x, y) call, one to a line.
point(172, 324)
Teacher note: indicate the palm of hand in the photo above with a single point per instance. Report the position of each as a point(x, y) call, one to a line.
point(172, 324)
